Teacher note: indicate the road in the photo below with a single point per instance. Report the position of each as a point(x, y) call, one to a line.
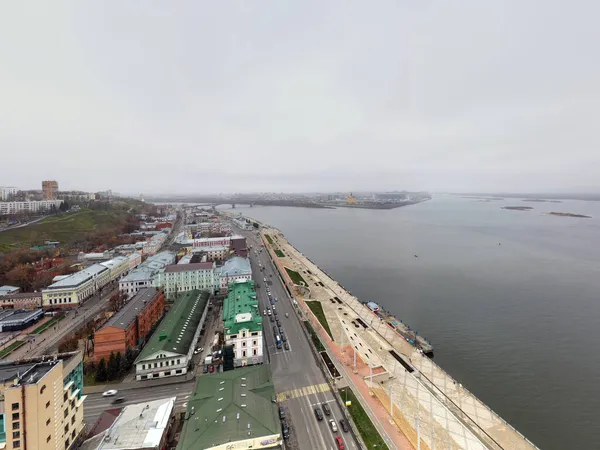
point(298, 380)
point(95, 404)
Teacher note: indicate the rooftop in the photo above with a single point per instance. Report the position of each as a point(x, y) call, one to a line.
point(23, 295)
point(139, 426)
point(115, 262)
point(80, 277)
point(126, 315)
point(31, 370)
point(150, 267)
point(4, 290)
point(240, 308)
point(236, 266)
point(230, 406)
point(176, 331)
point(18, 314)
point(189, 267)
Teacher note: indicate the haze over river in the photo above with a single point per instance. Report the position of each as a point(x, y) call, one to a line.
point(518, 323)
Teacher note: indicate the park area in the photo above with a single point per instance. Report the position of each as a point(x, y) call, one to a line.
point(366, 429)
point(317, 310)
point(296, 277)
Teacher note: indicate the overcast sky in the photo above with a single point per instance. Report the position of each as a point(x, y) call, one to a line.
point(223, 96)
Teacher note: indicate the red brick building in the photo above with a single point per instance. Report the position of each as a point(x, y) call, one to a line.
point(130, 326)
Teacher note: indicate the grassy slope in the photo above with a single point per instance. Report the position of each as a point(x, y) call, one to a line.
point(317, 310)
point(66, 228)
point(296, 277)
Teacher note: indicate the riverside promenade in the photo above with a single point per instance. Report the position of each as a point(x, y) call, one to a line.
point(408, 391)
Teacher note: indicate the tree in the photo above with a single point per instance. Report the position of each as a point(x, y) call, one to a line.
point(101, 373)
point(118, 364)
point(112, 369)
point(129, 358)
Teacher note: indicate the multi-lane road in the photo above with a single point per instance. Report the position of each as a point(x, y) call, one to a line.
point(299, 382)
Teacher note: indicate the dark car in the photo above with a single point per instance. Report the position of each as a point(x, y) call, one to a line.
point(286, 345)
point(278, 322)
point(281, 413)
point(285, 430)
point(272, 318)
point(283, 336)
point(119, 400)
point(326, 409)
point(280, 329)
point(318, 413)
point(344, 425)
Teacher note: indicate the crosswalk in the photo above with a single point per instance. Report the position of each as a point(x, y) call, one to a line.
point(302, 392)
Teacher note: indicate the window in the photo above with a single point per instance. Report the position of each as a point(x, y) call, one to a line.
point(48, 404)
point(47, 422)
point(65, 397)
point(244, 344)
point(15, 416)
point(73, 420)
point(244, 353)
point(66, 428)
point(16, 425)
point(48, 438)
point(16, 434)
point(67, 443)
point(42, 389)
point(254, 352)
point(16, 444)
point(254, 343)
point(255, 333)
point(143, 366)
point(15, 406)
point(66, 412)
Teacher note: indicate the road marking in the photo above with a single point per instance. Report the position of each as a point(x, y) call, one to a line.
point(302, 392)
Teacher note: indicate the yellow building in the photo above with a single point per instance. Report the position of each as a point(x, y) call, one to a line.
point(41, 403)
point(351, 199)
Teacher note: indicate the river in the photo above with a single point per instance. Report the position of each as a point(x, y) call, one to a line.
point(509, 299)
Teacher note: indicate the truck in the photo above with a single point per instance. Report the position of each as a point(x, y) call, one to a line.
point(278, 341)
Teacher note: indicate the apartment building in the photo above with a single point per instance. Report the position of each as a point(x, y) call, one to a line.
point(186, 277)
point(242, 322)
point(41, 403)
point(7, 191)
point(142, 276)
point(131, 325)
point(50, 190)
point(32, 206)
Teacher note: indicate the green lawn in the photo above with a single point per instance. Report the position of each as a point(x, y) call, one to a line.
point(367, 430)
point(65, 228)
point(296, 277)
point(317, 310)
point(268, 238)
point(314, 336)
point(279, 253)
point(12, 347)
point(43, 327)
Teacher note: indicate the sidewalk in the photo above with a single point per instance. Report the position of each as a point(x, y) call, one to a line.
point(140, 384)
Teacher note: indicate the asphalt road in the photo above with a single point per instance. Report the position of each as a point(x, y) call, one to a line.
point(295, 371)
point(95, 404)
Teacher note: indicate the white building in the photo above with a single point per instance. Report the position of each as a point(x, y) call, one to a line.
point(7, 191)
point(186, 277)
point(234, 269)
point(135, 259)
point(242, 222)
point(154, 244)
point(76, 288)
point(118, 267)
point(28, 206)
point(142, 276)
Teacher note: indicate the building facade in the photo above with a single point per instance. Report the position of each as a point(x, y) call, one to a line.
point(76, 288)
point(32, 206)
point(50, 190)
point(24, 300)
point(6, 192)
point(19, 319)
point(242, 223)
point(171, 347)
point(131, 325)
point(41, 403)
point(142, 276)
point(234, 269)
point(186, 277)
point(242, 322)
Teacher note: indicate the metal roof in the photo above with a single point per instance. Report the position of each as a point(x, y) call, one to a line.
point(229, 407)
point(150, 267)
point(189, 267)
point(77, 279)
point(240, 304)
point(127, 314)
point(236, 266)
point(176, 331)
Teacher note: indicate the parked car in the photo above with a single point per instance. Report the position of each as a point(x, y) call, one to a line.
point(281, 413)
point(344, 425)
point(278, 322)
point(286, 345)
point(109, 393)
point(333, 425)
point(340, 443)
point(326, 409)
point(285, 430)
point(318, 413)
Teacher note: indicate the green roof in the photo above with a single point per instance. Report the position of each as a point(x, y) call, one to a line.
point(219, 396)
point(240, 308)
point(176, 331)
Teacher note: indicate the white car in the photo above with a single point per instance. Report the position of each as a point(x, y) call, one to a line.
point(109, 393)
point(333, 425)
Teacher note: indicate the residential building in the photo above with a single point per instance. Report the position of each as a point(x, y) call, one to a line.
point(141, 426)
point(19, 319)
point(234, 269)
point(213, 242)
point(142, 276)
point(171, 346)
point(242, 322)
point(104, 256)
point(186, 277)
point(41, 403)
point(134, 259)
point(76, 288)
point(118, 267)
point(238, 246)
point(23, 300)
point(6, 192)
point(31, 206)
point(9, 290)
point(217, 253)
point(232, 410)
point(130, 326)
point(77, 196)
point(50, 190)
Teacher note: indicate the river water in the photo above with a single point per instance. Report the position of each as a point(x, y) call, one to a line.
point(509, 299)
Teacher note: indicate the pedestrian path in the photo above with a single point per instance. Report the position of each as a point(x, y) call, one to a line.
point(302, 392)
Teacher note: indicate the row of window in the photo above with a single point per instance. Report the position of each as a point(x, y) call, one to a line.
point(166, 364)
point(167, 373)
point(254, 352)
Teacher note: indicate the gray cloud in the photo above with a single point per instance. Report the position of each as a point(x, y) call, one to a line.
point(300, 96)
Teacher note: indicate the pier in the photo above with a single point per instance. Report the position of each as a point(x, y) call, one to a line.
point(421, 402)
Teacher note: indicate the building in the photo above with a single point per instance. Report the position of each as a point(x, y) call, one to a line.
point(104, 256)
point(130, 326)
point(7, 192)
point(23, 300)
point(134, 259)
point(142, 276)
point(41, 403)
point(118, 267)
point(77, 196)
point(154, 244)
point(31, 206)
point(238, 246)
point(19, 319)
point(218, 253)
point(142, 426)
point(9, 290)
point(171, 346)
point(76, 288)
point(242, 322)
point(234, 269)
point(50, 190)
point(212, 242)
point(232, 410)
point(186, 277)
point(242, 223)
